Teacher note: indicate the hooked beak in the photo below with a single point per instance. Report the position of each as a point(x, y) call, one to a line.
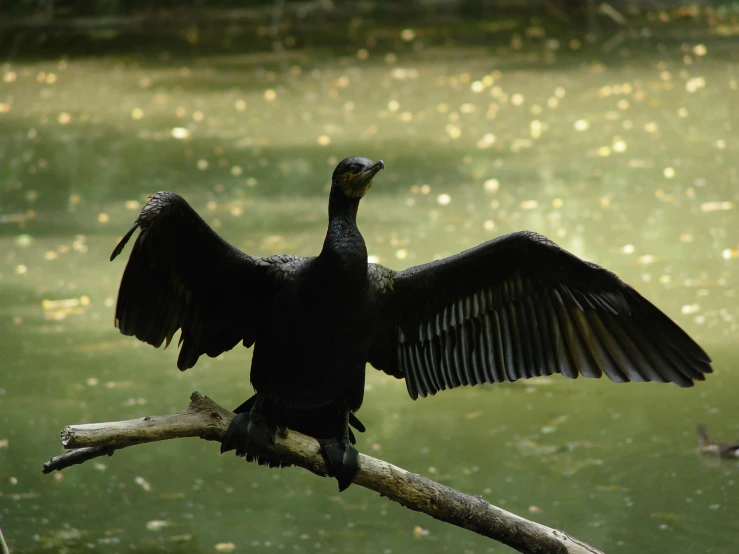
point(361, 182)
point(367, 175)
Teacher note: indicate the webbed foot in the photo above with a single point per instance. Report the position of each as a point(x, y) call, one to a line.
point(250, 434)
point(342, 460)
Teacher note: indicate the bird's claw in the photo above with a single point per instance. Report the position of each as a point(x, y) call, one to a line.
point(342, 460)
point(250, 435)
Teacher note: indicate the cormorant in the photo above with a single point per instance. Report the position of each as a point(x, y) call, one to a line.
point(514, 307)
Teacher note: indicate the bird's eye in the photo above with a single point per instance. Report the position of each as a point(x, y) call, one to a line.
point(354, 168)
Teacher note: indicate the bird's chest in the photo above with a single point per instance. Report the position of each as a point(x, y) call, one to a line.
point(315, 345)
point(326, 321)
point(321, 323)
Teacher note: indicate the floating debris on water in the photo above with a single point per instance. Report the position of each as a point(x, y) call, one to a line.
point(143, 483)
point(65, 303)
point(60, 309)
point(419, 532)
point(716, 206)
point(527, 447)
point(180, 133)
point(135, 402)
point(407, 35)
point(491, 185)
point(157, 524)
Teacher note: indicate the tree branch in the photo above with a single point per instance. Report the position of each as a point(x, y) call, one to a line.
point(3, 545)
point(207, 420)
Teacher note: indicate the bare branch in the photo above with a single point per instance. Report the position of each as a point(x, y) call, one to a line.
point(207, 420)
point(76, 456)
point(3, 545)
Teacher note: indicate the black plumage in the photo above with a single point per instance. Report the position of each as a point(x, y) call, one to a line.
point(514, 307)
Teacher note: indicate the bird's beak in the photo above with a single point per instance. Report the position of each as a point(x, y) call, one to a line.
point(360, 183)
point(367, 175)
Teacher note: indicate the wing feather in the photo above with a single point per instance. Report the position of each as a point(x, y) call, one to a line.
point(461, 357)
point(506, 328)
point(428, 363)
point(499, 375)
point(517, 307)
point(182, 275)
point(478, 362)
point(537, 340)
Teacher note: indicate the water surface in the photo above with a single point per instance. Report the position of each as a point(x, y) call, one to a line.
point(624, 155)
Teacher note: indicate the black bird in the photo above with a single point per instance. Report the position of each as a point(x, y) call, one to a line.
point(514, 307)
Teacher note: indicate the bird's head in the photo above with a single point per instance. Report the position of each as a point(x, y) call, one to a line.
point(354, 175)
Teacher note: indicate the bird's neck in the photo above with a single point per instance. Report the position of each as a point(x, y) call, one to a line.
point(344, 246)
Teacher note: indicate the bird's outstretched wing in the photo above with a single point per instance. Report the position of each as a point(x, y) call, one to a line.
point(182, 275)
point(520, 306)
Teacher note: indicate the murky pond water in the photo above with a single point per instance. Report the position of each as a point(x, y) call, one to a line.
point(624, 156)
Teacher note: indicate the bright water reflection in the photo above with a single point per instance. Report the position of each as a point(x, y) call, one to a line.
point(625, 158)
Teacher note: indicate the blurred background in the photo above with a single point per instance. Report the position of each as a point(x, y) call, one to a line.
point(611, 128)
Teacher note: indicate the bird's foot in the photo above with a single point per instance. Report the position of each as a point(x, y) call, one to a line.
point(250, 435)
point(342, 460)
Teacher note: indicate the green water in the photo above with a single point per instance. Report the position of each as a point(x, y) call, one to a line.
point(625, 156)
